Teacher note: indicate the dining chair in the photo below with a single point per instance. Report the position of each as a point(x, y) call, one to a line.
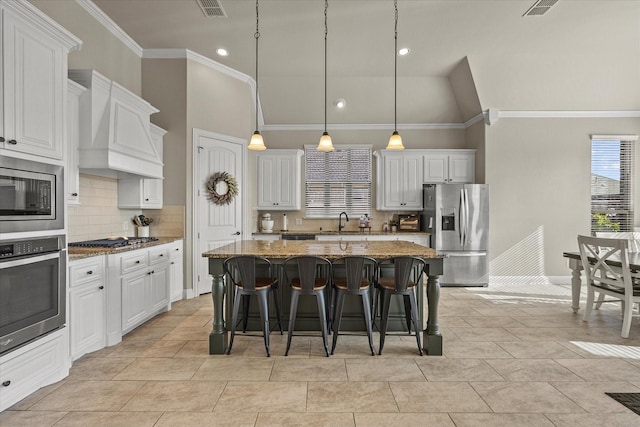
point(312, 275)
point(359, 273)
point(405, 268)
point(606, 265)
point(243, 272)
point(633, 237)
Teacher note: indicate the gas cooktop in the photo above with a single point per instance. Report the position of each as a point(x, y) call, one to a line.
point(113, 242)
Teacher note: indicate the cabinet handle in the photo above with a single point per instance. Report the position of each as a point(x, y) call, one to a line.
point(172, 262)
point(177, 249)
point(1, 138)
point(100, 287)
point(90, 272)
point(146, 200)
point(138, 262)
point(161, 255)
point(12, 142)
point(6, 383)
point(74, 194)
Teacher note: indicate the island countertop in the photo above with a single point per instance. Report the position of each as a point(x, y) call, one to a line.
point(278, 249)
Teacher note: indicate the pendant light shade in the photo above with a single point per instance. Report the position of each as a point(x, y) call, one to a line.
point(257, 143)
point(325, 143)
point(395, 142)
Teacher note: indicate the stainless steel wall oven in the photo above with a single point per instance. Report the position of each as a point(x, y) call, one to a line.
point(32, 289)
point(31, 196)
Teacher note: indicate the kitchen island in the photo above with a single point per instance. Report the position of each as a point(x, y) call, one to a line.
point(279, 250)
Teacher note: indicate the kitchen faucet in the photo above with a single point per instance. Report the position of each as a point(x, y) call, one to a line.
point(340, 226)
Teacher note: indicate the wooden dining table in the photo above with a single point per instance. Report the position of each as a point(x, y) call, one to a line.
point(575, 264)
point(277, 251)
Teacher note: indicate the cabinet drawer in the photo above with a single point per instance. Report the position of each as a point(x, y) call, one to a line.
point(134, 262)
point(32, 369)
point(175, 250)
point(85, 270)
point(157, 256)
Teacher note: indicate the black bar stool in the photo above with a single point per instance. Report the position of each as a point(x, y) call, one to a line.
point(312, 278)
point(400, 284)
point(359, 275)
point(242, 271)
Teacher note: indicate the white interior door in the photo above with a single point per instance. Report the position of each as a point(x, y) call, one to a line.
point(216, 224)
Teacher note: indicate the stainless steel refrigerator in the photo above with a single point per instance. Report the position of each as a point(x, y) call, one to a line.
point(457, 216)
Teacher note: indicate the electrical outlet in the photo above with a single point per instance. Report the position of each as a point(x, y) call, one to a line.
point(125, 225)
point(298, 221)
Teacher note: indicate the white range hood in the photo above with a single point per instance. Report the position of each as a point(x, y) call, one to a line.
point(115, 130)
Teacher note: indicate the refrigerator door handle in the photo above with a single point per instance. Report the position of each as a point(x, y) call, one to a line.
point(464, 254)
point(461, 218)
point(466, 216)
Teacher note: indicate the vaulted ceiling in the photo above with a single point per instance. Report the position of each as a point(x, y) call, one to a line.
point(580, 55)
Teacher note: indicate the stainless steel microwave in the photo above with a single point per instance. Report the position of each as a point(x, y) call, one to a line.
point(31, 196)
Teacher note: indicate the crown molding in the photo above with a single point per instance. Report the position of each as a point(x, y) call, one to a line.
point(110, 25)
point(560, 114)
point(44, 23)
point(362, 126)
point(210, 63)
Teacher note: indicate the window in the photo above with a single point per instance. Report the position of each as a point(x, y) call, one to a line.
point(338, 181)
point(612, 179)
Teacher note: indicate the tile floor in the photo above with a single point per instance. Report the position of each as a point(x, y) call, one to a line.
point(514, 355)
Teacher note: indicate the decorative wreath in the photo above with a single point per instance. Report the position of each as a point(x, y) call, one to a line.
point(227, 192)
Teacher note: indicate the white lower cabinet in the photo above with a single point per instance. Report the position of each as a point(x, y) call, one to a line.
point(110, 295)
point(144, 285)
point(33, 366)
point(87, 306)
point(176, 270)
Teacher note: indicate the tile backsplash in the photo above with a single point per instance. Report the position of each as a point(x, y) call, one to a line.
point(98, 214)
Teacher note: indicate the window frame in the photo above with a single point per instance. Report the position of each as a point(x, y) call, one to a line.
point(614, 211)
point(335, 189)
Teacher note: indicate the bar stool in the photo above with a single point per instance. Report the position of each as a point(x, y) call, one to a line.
point(312, 278)
point(359, 274)
point(399, 284)
point(242, 271)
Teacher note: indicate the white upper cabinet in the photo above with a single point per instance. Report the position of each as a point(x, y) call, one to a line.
point(33, 81)
point(143, 193)
point(115, 133)
point(399, 180)
point(449, 166)
point(72, 171)
point(279, 178)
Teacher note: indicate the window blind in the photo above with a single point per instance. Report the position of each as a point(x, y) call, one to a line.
point(338, 181)
point(612, 180)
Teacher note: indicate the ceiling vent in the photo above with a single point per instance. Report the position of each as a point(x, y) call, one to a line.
point(540, 7)
point(212, 8)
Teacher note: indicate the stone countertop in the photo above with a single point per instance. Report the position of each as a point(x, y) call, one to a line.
point(80, 253)
point(344, 233)
point(279, 249)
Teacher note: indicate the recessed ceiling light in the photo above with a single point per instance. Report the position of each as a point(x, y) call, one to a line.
point(340, 103)
point(404, 51)
point(222, 51)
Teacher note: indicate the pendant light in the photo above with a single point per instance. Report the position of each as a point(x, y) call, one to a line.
point(395, 142)
point(325, 143)
point(257, 143)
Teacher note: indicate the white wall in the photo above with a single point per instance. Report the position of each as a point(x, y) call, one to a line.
point(539, 171)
